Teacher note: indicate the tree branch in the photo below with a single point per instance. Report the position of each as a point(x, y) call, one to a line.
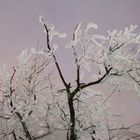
point(78, 76)
point(56, 63)
point(82, 86)
point(11, 80)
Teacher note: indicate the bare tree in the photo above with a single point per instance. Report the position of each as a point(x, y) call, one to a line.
point(20, 91)
point(111, 56)
point(103, 67)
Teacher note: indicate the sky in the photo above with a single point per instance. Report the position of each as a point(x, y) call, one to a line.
point(20, 28)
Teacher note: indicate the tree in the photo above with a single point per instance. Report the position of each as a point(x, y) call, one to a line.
point(113, 56)
point(20, 91)
point(101, 62)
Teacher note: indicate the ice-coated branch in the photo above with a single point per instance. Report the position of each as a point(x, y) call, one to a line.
point(54, 57)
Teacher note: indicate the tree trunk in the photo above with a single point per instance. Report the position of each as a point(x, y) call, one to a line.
point(26, 131)
point(24, 126)
point(71, 133)
point(14, 135)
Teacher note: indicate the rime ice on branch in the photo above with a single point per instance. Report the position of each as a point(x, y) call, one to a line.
point(115, 57)
point(29, 95)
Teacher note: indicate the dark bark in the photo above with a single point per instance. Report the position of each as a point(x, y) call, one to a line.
point(24, 126)
point(71, 133)
point(14, 135)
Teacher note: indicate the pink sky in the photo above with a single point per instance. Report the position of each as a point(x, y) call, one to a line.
point(20, 29)
point(19, 26)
